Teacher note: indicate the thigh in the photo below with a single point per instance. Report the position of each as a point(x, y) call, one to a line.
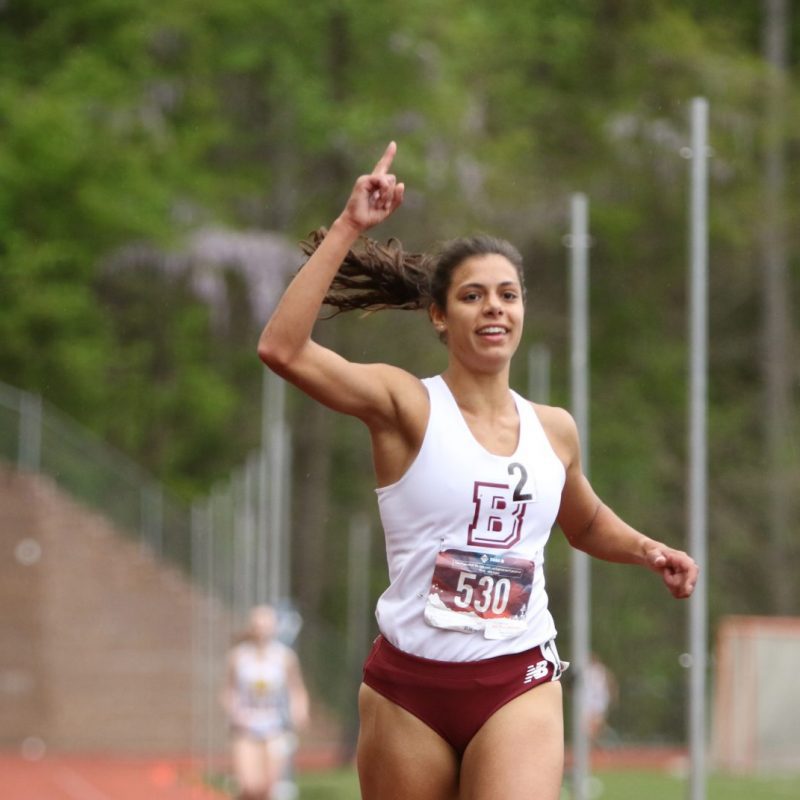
point(399, 756)
point(519, 751)
point(250, 764)
point(279, 752)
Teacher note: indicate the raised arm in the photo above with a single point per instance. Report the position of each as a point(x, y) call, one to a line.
point(363, 390)
point(593, 527)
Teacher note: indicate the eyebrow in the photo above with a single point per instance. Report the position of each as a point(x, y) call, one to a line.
point(476, 285)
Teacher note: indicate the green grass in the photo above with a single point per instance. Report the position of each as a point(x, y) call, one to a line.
point(340, 784)
point(637, 785)
point(610, 785)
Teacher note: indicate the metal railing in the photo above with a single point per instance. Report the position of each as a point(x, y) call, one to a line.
point(231, 546)
point(39, 438)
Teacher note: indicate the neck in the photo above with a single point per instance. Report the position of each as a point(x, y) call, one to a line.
point(478, 390)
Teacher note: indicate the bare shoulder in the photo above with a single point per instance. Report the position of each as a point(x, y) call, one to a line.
point(397, 378)
point(561, 430)
point(408, 394)
point(556, 421)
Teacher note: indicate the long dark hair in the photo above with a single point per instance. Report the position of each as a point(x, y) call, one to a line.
point(375, 276)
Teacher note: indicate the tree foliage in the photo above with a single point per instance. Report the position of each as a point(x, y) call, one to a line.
point(131, 123)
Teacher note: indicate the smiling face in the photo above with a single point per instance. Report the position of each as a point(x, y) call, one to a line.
point(483, 317)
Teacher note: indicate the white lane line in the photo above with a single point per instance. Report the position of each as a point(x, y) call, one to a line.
point(77, 787)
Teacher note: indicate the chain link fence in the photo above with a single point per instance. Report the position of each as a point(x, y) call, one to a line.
point(201, 567)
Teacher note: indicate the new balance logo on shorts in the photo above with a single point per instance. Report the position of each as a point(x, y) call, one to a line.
point(536, 672)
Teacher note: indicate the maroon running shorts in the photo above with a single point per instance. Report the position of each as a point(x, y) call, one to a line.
point(455, 698)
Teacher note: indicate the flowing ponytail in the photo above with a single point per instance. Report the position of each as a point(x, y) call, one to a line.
point(375, 276)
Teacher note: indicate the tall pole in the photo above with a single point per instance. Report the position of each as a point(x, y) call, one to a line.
point(698, 457)
point(240, 512)
point(250, 534)
point(358, 613)
point(778, 360)
point(200, 691)
point(581, 575)
point(210, 629)
point(263, 503)
point(285, 563)
point(358, 578)
point(30, 431)
point(276, 441)
point(539, 373)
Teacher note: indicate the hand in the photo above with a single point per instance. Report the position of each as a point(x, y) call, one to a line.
point(374, 196)
point(678, 570)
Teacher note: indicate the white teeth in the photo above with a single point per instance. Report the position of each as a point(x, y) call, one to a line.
point(492, 329)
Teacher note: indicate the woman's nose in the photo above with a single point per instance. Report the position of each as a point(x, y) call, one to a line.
point(492, 305)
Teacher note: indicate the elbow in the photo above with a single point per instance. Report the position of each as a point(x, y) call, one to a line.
point(275, 360)
point(278, 356)
point(268, 355)
point(574, 538)
point(272, 354)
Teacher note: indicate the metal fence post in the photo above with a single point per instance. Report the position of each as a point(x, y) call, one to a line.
point(30, 432)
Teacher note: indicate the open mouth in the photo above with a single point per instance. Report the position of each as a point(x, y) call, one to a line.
point(492, 330)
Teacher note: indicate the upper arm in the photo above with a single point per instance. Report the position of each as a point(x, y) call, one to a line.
point(369, 392)
point(579, 503)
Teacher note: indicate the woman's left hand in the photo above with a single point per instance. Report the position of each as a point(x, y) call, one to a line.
point(678, 570)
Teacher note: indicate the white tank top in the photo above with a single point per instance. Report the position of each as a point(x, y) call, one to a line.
point(261, 687)
point(465, 534)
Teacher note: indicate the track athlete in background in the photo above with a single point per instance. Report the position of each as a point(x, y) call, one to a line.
point(266, 702)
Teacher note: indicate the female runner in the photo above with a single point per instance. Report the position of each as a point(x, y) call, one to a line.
point(266, 702)
point(460, 697)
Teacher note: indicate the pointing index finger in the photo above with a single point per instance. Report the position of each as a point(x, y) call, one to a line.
point(385, 161)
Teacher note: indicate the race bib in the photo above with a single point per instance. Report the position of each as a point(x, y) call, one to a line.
point(480, 592)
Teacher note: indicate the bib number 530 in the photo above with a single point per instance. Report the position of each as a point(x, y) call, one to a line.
point(483, 594)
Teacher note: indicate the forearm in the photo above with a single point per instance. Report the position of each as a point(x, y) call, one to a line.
point(593, 527)
point(611, 539)
point(290, 326)
point(373, 199)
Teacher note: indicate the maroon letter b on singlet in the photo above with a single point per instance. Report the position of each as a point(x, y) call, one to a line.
point(498, 520)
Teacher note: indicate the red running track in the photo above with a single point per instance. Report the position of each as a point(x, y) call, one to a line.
point(98, 778)
point(82, 777)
